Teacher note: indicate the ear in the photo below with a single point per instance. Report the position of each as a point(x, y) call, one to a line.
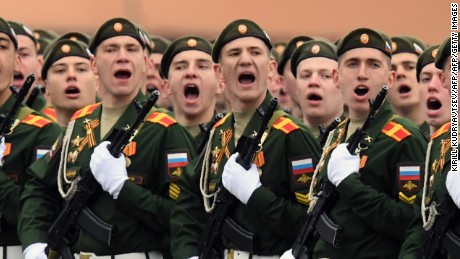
point(93, 64)
point(272, 68)
point(335, 78)
point(47, 93)
point(167, 89)
point(391, 79)
point(144, 68)
point(221, 85)
point(219, 73)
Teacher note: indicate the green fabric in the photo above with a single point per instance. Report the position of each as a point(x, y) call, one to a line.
point(5, 27)
point(415, 233)
point(28, 142)
point(444, 52)
point(427, 57)
point(368, 208)
point(425, 128)
point(291, 46)
point(238, 29)
point(159, 44)
point(75, 36)
point(272, 212)
point(365, 38)
point(22, 29)
point(40, 103)
point(406, 44)
point(312, 49)
point(142, 210)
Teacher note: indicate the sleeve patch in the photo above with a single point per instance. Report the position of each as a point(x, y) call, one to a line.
point(395, 131)
point(409, 178)
point(286, 125)
point(174, 191)
point(40, 152)
point(161, 118)
point(302, 198)
point(176, 162)
point(301, 172)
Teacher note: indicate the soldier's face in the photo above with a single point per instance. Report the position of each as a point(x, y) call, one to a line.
point(290, 82)
point(30, 62)
point(192, 83)
point(362, 73)
point(245, 66)
point(405, 93)
point(435, 98)
point(70, 84)
point(154, 80)
point(120, 64)
point(318, 95)
point(8, 60)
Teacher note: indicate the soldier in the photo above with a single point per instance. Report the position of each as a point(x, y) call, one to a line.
point(284, 69)
point(319, 96)
point(376, 186)
point(70, 83)
point(277, 87)
point(31, 63)
point(405, 97)
point(432, 200)
point(75, 36)
point(154, 80)
point(191, 82)
point(270, 197)
point(135, 186)
point(29, 137)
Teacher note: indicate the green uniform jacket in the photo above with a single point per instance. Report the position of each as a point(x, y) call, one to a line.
point(40, 102)
point(29, 140)
point(274, 211)
point(157, 155)
point(425, 128)
point(372, 206)
point(439, 166)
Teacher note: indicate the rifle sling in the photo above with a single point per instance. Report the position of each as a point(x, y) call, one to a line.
point(97, 227)
point(328, 231)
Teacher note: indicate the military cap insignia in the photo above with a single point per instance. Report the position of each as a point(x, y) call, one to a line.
point(73, 38)
point(37, 35)
point(301, 169)
point(394, 46)
point(299, 43)
point(409, 178)
point(434, 52)
point(242, 29)
point(118, 27)
point(65, 48)
point(192, 43)
point(315, 49)
point(38, 46)
point(364, 39)
point(176, 161)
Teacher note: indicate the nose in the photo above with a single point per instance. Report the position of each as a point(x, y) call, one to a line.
point(435, 84)
point(314, 80)
point(362, 73)
point(122, 55)
point(245, 58)
point(71, 74)
point(191, 71)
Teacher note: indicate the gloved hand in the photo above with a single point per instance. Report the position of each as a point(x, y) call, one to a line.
point(2, 150)
point(238, 181)
point(341, 164)
point(452, 184)
point(109, 171)
point(287, 255)
point(35, 251)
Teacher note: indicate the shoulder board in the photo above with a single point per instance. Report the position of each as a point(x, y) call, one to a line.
point(36, 120)
point(51, 113)
point(444, 128)
point(285, 124)
point(85, 111)
point(221, 121)
point(162, 119)
point(396, 131)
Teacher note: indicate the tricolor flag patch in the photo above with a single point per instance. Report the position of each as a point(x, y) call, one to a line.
point(409, 178)
point(301, 172)
point(40, 153)
point(176, 161)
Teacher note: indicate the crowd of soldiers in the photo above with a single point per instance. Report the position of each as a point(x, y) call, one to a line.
point(158, 198)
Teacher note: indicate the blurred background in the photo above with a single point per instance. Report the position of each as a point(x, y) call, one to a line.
point(428, 20)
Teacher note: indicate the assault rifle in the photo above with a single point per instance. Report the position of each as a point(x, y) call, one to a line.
point(62, 232)
point(33, 96)
point(219, 223)
point(318, 224)
point(440, 240)
point(325, 131)
point(206, 128)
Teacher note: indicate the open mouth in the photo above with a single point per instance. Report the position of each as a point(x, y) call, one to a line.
point(72, 90)
point(122, 74)
point(314, 97)
point(361, 90)
point(282, 92)
point(18, 76)
point(246, 79)
point(433, 104)
point(191, 92)
point(404, 89)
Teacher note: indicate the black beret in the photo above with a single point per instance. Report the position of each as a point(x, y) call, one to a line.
point(44, 38)
point(183, 44)
point(312, 49)
point(159, 44)
point(116, 27)
point(239, 29)
point(406, 44)
point(443, 53)
point(365, 38)
point(6, 28)
point(83, 37)
point(292, 45)
point(22, 29)
point(427, 57)
point(63, 48)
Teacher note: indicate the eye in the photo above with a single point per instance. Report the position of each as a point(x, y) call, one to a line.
point(326, 76)
point(425, 79)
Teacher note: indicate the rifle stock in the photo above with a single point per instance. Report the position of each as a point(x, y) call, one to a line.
point(61, 232)
point(309, 234)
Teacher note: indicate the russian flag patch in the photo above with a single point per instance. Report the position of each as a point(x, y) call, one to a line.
point(301, 172)
point(302, 166)
point(409, 178)
point(176, 161)
point(41, 152)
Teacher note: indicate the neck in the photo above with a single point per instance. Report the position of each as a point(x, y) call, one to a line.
point(415, 114)
point(314, 123)
point(64, 116)
point(5, 95)
point(194, 119)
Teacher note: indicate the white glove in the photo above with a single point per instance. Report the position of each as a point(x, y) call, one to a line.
point(341, 164)
point(194, 257)
point(2, 150)
point(35, 251)
point(287, 255)
point(452, 185)
point(238, 181)
point(109, 171)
